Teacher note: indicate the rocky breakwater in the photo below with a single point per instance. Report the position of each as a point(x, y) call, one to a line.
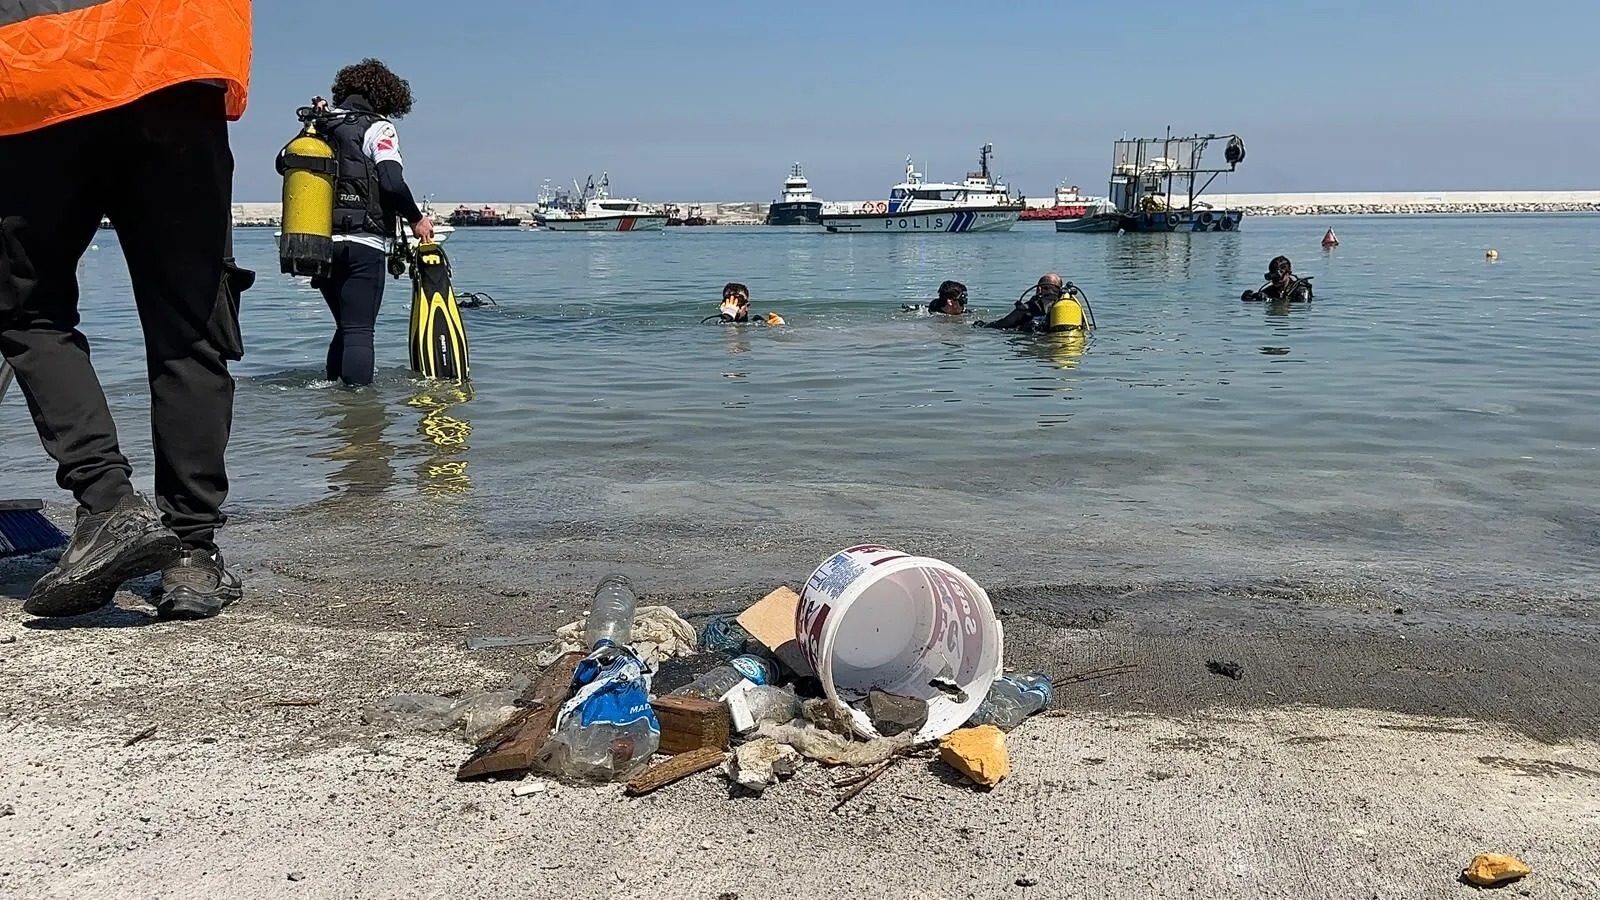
point(1372, 209)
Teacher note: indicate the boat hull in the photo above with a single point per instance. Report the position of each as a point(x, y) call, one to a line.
point(608, 223)
point(796, 213)
point(949, 221)
point(1148, 222)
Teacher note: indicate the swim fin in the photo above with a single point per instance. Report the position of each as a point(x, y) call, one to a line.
point(438, 336)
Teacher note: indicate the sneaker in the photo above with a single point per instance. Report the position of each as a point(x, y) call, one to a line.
point(197, 586)
point(106, 549)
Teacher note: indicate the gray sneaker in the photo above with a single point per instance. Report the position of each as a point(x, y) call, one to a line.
point(197, 586)
point(106, 550)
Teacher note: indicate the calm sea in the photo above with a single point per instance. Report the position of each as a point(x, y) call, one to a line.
point(1429, 404)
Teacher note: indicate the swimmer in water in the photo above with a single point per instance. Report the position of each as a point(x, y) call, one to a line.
point(736, 307)
point(1029, 314)
point(952, 300)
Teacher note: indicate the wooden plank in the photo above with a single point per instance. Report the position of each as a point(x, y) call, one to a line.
point(675, 769)
point(513, 747)
point(691, 723)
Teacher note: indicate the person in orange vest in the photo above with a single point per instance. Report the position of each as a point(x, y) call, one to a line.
point(120, 108)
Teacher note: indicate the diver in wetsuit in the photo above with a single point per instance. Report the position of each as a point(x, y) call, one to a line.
point(1282, 284)
point(735, 307)
point(1031, 314)
point(952, 300)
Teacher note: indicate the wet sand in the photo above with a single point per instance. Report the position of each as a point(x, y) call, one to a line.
point(1385, 728)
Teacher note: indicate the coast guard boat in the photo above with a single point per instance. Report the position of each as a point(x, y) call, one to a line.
point(602, 212)
point(980, 203)
point(797, 206)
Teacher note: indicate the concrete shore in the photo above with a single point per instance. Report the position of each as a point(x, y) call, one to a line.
point(1294, 204)
point(1376, 741)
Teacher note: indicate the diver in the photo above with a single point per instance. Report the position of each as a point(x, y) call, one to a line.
point(952, 301)
point(735, 308)
point(1054, 305)
point(1282, 284)
point(370, 193)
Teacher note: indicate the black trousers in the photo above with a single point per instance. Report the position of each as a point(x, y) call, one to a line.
point(161, 168)
point(353, 291)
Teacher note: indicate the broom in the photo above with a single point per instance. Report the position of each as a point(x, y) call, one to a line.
point(23, 527)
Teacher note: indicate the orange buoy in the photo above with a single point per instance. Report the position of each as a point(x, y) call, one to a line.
point(1328, 239)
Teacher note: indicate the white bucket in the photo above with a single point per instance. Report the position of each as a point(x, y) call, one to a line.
point(872, 617)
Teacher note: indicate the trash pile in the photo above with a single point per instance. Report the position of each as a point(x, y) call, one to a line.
point(881, 656)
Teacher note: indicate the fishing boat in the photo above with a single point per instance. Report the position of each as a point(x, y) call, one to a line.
point(1069, 203)
point(1156, 184)
point(599, 211)
point(487, 217)
point(979, 203)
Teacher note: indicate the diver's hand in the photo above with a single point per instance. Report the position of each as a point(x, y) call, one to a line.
point(423, 229)
point(978, 323)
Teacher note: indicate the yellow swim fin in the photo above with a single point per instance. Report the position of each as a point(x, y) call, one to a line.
point(438, 336)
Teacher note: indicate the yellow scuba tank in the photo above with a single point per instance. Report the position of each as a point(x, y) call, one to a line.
point(438, 336)
point(1066, 314)
point(309, 168)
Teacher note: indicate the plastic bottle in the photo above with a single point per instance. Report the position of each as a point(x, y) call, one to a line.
point(611, 614)
point(612, 732)
point(1011, 699)
point(719, 681)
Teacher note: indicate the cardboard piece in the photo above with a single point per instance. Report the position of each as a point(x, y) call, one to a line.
point(771, 621)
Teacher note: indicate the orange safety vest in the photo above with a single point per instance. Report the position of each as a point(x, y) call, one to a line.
point(69, 58)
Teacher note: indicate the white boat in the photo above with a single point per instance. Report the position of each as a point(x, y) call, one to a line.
point(980, 203)
point(603, 212)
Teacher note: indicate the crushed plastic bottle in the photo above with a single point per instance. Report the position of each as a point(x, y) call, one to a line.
point(611, 614)
point(715, 684)
point(1011, 699)
point(607, 731)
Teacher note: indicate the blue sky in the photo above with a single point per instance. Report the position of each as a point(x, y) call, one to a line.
point(713, 100)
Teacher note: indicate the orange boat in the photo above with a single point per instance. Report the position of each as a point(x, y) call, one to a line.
point(1069, 204)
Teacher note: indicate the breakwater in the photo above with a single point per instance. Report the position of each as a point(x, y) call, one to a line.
point(753, 212)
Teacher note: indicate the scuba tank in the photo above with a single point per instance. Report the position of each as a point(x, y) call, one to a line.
point(309, 167)
point(1071, 312)
point(1066, 314)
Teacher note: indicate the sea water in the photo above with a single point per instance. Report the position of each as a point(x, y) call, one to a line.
point(1429, 400)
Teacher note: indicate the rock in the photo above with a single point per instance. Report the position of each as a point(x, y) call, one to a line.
point(760, 763)
point(1490, 869)
point(1027, 881)
point(978, 753)
point(297, 876)
point(7, 809)
point(892, 713)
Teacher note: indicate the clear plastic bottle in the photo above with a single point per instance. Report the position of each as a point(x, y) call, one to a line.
point(611, 614)
point(1011, 699)
point(612, 732)
point(719, 681)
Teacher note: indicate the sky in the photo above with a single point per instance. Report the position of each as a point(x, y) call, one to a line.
point(713, 100)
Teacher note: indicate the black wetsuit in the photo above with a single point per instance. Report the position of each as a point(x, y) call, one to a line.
point(371, 194)
point(1023, 317)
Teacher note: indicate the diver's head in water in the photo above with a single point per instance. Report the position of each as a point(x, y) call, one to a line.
point(1050, 287)
point(1280, 269)
point(952, 299)
point(735, 303)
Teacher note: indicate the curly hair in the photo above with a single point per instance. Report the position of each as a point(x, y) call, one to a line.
point(389, 94)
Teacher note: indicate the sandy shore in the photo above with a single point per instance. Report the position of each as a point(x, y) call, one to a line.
point(1376, 741)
